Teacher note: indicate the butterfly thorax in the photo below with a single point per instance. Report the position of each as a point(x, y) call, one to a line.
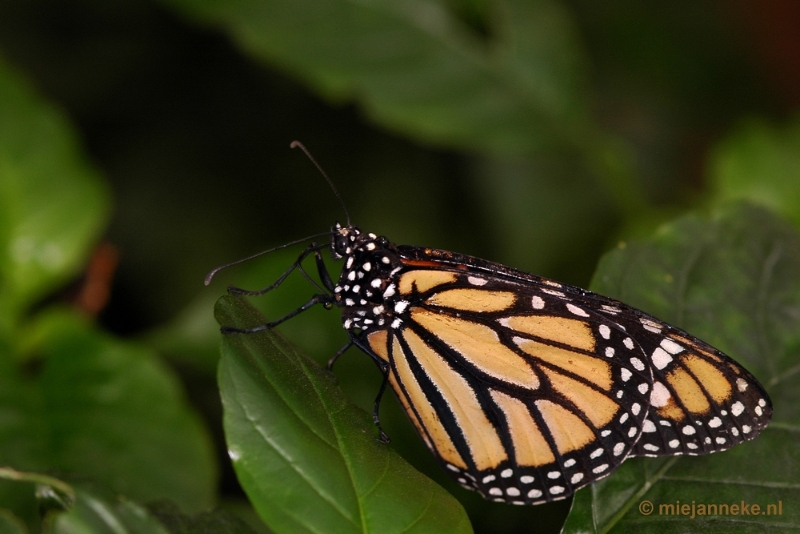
point(366, 288)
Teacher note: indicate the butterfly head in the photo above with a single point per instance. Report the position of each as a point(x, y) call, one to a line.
point(343, 240)
point(366, 287)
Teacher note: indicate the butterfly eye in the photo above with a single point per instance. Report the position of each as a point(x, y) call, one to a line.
point(339, 245)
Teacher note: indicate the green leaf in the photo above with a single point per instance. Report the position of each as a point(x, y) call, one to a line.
point(760, 162)
point(217, 522)
point(11, 524)
point(90, 509)
point(98, 512)
point(52, 203)
point(419, 70)
point(733, 280)
point(103, 409)
point(308, 459)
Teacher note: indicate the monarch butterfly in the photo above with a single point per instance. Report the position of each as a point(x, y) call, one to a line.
point(526, 389)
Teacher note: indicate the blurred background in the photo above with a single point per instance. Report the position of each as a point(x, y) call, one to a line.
point(535, 134)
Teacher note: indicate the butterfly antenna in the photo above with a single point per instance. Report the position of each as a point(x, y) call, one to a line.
point(214, 271)
point(298, 144)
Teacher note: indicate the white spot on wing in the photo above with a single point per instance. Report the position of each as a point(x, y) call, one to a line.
point(670, 346)
point(576, 310)
point(605, 331)
point(659, 396)
point(474, 280)
point(537, 302)
point(661, 358)
point(650, 325)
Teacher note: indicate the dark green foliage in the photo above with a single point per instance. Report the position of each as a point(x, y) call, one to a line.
point(538, 134)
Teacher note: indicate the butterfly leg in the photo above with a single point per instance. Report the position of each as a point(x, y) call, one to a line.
point(322, 270)
point(314, 247)
point(382, 437)
point(335, 357)
point(323, 299)
point(385, 369)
